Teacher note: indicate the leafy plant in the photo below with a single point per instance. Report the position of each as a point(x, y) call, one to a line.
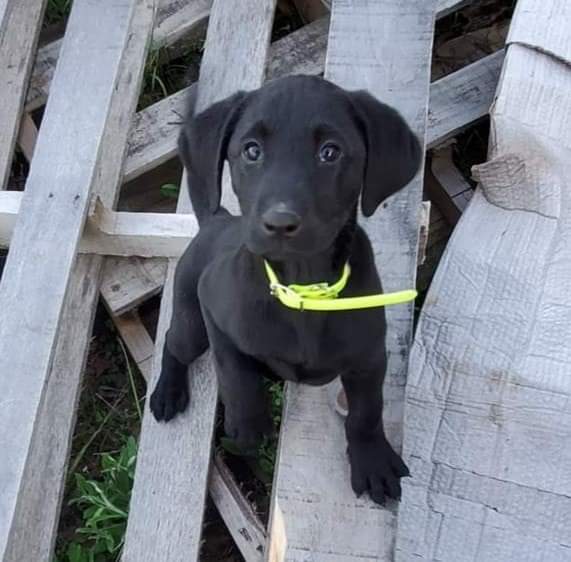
point(170, 190)
point(104, 508)
point(57, 11)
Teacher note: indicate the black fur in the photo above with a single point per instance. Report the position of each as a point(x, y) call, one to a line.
point(221, 293)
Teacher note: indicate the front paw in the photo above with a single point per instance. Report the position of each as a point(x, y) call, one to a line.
point(170, 397)
point(248, 433)
point(376, 468)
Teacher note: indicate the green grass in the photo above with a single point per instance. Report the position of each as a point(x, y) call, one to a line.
point(164, 76)
point(103, 503)
point(102, 463)
point(57, 11)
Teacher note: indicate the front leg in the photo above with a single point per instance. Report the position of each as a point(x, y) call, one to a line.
point(375, 466)
point(241, 387)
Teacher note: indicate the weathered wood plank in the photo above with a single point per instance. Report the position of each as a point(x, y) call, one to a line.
point(20, 24)
point(457, 99)
point(488, 412)
point(443, 7)
point(446, 7)
point(245, 527)
point(315, 510)
point(136, 282)
point(174, 20)
point(462, 97)
point(446, 186)
point(27, 136)
point(116, 233)
point(237, 513)
point(96, 87)
point(174, 458)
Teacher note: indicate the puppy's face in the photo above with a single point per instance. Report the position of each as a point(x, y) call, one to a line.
point(301, 153)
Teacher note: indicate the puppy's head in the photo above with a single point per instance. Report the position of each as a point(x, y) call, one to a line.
point(301, 152)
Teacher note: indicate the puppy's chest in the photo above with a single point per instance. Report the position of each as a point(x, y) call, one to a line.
point(306, 347)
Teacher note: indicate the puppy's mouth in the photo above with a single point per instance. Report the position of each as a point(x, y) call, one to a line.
point(283, 249)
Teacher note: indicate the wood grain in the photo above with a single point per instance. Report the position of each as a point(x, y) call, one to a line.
point(462, 97)
point(175, 19)
point(237, 513)
point(488, 408)
point(20, 24)
point(446, 186)
point(174, 458)
point(115, 233)
point(384, 47)
point(96, 86)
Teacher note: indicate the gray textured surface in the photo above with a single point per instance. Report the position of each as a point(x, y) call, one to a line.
point(167, 505)
point(488, 410)
point(20, 24)
point(316, 515)
point(38, 286)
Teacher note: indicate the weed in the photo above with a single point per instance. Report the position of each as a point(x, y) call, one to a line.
point(104, 505)
point(57, 11)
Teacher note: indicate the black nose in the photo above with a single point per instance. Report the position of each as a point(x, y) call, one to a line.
point(281, 222)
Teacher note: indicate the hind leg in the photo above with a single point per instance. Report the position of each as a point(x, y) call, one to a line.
point(185, 341)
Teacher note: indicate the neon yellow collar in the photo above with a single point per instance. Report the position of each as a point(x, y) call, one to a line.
point(324, 297)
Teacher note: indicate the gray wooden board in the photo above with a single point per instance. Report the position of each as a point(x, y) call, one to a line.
point(384, 47)
point(488, 406)
point(89, 90)
point(174, 458)
point(128, 282)
point(174, 19)
point(36, 520)
point(463, 97)
point(20, 24)
point(236, 511)
point(155, 129)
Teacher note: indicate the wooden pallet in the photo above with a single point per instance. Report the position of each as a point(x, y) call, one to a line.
point(488, 408)
point(68, 209)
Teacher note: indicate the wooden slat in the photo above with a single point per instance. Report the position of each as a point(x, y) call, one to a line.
point(462, 97)
point(385, 47)
point(137, 282)
point(446, 7)
point(116, 233)
point(237, 513)
point(245, 527)
point(20, 24)
point(95, 87)
point(443, 7)
point(446, 186)
point(488, 412)
point(27, 136)
point(175, 19)
point(174, 458)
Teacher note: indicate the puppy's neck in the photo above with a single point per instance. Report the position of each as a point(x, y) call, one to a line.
point(325, 267)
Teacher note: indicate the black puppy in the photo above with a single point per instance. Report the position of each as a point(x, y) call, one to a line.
point(301, 152)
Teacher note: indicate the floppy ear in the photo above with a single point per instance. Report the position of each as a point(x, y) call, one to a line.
point(202, 145)
point(393, 151)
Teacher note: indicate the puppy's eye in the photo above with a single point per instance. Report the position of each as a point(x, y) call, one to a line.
point(252, 152)
point(329, 152)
